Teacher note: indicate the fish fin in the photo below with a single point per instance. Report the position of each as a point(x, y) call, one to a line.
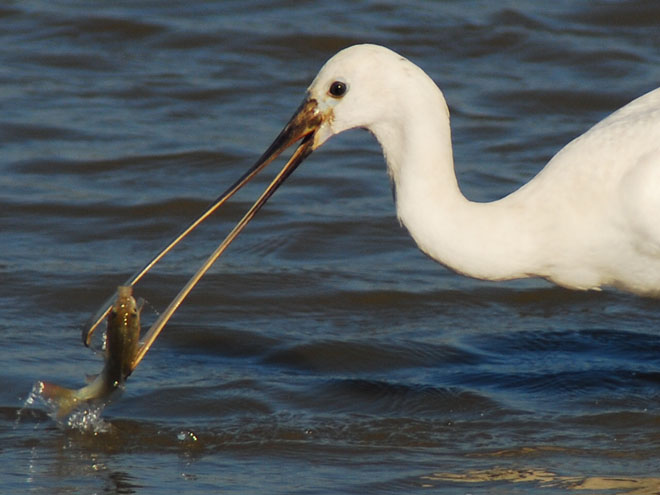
point(63, 399)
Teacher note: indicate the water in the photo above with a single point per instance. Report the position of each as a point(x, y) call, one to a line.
point(323, 353)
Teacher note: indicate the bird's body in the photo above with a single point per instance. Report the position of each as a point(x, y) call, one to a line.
point(590, 218)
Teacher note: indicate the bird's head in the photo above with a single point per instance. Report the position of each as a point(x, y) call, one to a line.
point(354, 89)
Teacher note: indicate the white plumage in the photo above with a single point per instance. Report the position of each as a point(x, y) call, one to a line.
point(590, 218)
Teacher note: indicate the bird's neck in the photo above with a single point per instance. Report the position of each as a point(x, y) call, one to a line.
point(484, 240)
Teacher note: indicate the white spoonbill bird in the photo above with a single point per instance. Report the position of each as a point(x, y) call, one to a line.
point(590, 218)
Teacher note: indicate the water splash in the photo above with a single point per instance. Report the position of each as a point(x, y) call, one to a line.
point(85, 418)
point(186, 436)
point(29, 401)
point(88, 419)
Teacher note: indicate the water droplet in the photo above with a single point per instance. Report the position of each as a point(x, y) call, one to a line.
point(186, 436)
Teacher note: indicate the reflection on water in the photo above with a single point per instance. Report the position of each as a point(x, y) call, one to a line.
point(540, 478)
point(323, 353)
point(64, 470)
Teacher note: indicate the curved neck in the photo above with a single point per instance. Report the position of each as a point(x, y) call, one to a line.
point(490, 241)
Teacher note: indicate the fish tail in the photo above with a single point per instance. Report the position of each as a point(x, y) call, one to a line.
point(63, 399)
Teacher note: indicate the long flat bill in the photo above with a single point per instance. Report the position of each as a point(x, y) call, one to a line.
point(296, 159)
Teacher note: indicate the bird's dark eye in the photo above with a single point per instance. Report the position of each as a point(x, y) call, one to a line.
point(337, 89)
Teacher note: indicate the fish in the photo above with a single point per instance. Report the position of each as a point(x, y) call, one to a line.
point(121, 347)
